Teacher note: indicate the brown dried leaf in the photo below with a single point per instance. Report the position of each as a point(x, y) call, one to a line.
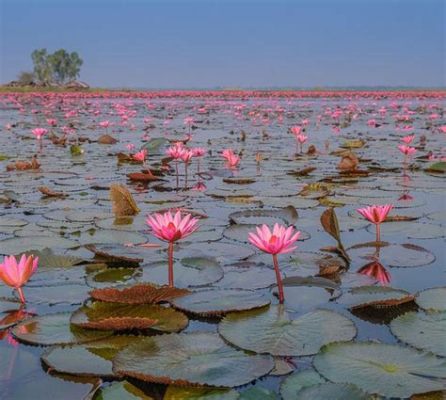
point(107, 139)
point(123, 202)
point(24, 165)
point(114, 258)
point(120, 323)
point(138, 294)
point(348, 162)
point(329, 222)
point(46, 191)
point(142, 177)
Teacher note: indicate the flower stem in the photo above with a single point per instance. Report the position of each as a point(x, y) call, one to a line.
point(185, 173)
point(176, 169)
point(378, 233)
point(279, 279)
point(170, 270)
point(21, 295)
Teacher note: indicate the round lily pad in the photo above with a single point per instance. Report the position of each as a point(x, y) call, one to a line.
point(364, 296)
point(191, 359)
point(116, 316)
point(92, 359)
point(218, 302)
point(332, 391)
point(247, 275)
point(286, 215)
point(189, 393)
point(273, 331)
point(394, 255)
point(52, 329)
point(18, 245)
point(421, 330)
point(189, 272)
point(411, 230)
point(388, 370)
point(433, 299)
point(121, 390)
point(295, 383)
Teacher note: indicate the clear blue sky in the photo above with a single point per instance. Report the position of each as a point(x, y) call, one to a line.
point(229, 43)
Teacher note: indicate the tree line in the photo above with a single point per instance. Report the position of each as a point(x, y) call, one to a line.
point(49, 69)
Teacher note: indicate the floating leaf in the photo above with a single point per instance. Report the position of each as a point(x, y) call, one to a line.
point(389, 370)
point(272, 331)
point(394, 255)
point(219, 302)
point(432, 299)
point(123, 202)
point(294, 384)
point(52, 329)
point(104, 255)
point(332, 391)
point(91, 359)
point(286, 215)
point(189, 272)
point(376, 296)
point(138, 294)
point(190, 359)
point(50, 260)
point(120, 391)
point(191, 393)
point(101, 315)
point(439, 166)
point(421, 330)
point(258, 393)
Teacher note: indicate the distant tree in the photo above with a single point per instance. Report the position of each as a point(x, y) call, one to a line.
point(58, 67)
point(42, 67)
point(25, 78)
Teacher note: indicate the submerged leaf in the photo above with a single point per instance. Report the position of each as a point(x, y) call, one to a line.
point(123, 202)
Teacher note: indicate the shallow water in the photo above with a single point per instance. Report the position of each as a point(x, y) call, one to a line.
point(30, 222)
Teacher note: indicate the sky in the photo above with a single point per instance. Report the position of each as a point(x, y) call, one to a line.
point(232, 43)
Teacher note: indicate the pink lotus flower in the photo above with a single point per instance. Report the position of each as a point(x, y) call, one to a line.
point(279, 241)
point(372, 123)
point(408, 139)
point(198, 152)
point(16, 274)
point(443, 129)
point(186, 156)
point(376, 215)
point(188, 121)
point(407, 150)
point(171, 228)
point(295, 130)
point(175, 151)
point(39, 132)
point(51, 122)
point(301, 138)
point(232, 159)
point(130, 147)
point(377, 271)
point(140, 155)
point(104, 124)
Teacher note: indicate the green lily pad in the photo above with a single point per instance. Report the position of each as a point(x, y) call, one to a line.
point(421, 330)
point(92, 359)
point(193, 359)
point(286, 215)
point(432, 299)
point(411, 230)
point(273, 331)
point(61, 294)
point(381, 296)
point(53, 329)
point(295, 383)
point(116, 316)
point(113, 277)
point(385, 369)
point(47, 259)
point(258, 393)
point(394, 255)
point(18, 245)
point(190, 393)
point(332, 391)
point(219, 302)
point(189, 272)
point(247, 275)
point(121, 390)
